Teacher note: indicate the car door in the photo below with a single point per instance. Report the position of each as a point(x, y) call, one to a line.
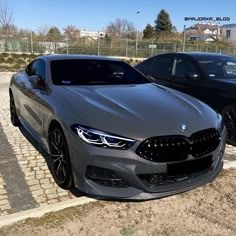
point(35, 71)
point(158, 68)
point(187, 77)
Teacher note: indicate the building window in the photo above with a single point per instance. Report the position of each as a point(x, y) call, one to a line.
point(228, 32)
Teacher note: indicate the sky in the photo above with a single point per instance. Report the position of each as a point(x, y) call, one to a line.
point(97, 14)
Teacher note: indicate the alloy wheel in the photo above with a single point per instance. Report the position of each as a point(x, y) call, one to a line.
point(60, 161)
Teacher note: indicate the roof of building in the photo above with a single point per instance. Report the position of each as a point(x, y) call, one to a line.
point(201, 26)
point(229, 25)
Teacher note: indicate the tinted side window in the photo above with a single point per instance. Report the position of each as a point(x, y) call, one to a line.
point(36, 68)
point(94, 72)
point(29, 70)
point(183, 67)
point(162, 66)
point(145, 66)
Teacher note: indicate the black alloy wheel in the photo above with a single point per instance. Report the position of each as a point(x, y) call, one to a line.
point(229, 117)
point(14, 118)
point(60, 160)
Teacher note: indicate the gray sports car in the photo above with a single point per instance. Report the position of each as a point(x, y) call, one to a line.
point(112, 133)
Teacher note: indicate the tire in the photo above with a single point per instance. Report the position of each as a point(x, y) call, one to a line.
point(14, 118)
point(60, 159)
point(229, 117)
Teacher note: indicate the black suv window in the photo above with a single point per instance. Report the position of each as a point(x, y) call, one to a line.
point(158, 67)
point(161, 66)
point(183, 67)
point(36, 68)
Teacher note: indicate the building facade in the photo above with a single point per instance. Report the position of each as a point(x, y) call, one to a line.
point(229, 32)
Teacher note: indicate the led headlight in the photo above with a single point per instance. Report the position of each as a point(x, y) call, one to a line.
point(100, 138)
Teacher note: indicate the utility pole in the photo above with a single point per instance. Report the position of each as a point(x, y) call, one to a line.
point(67, 44)
point(31, 41)
point(184, 37)
point(136, 45)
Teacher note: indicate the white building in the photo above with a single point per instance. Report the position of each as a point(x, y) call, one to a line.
point(204, 32)
point(92, 34)
point(229, 32)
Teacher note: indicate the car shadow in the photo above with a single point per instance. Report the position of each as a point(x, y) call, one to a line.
point(43, 152)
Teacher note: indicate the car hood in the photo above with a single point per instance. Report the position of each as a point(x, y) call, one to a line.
point(135, 111)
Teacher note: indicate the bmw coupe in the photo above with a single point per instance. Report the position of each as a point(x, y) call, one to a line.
point(110, 132)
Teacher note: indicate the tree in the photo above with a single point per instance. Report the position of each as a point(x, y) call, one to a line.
point(71, 32)
point(148, 32)
point(121, 28)
point(163, 23)
point(54, 36)
point(5, 16)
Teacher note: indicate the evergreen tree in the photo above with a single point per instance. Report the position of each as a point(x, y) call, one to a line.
point(54, 34)
point(148, 32)
point(163, 23)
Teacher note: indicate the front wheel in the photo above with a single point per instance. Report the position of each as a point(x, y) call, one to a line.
point(229, 117)
point(60, 160)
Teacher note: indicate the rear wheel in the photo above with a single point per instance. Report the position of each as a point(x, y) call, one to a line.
point(60, 160)
point(229, 117)
point(14, 118)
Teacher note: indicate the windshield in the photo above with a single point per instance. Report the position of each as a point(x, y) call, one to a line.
point(218, 67)
point(94, 72)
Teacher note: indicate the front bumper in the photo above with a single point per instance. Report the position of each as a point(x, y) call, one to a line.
point(135, 173)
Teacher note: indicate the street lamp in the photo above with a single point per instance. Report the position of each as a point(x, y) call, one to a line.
point(136, 45)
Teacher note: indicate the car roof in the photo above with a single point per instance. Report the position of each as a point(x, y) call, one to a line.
point(51, 57)
point(203, 54)
point(195, 54)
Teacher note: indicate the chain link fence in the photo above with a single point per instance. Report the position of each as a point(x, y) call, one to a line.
point(108, 47)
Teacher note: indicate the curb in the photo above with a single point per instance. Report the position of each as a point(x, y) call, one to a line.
point(38, 212)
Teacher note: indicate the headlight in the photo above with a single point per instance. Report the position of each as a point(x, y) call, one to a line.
point(101, 139)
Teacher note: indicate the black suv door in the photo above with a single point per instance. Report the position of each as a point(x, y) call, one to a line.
point(158, 68)
point(188, 77)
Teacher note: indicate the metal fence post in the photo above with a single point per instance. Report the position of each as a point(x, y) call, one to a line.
point(184, 38)
point(126, 47)
point(98, 42)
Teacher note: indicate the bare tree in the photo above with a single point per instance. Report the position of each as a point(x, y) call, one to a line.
point(43, 30)
point(6, 14)
point(121, 28)
point(71, 31)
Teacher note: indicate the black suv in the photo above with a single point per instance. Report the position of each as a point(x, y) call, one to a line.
point(209, 77)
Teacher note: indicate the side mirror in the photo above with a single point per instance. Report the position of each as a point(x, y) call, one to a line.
point(36, 82)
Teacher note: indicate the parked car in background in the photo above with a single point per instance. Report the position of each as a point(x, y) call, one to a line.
point(207, 76)
point(112, 133)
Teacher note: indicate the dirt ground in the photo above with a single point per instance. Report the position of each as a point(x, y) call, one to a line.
point(208, 210)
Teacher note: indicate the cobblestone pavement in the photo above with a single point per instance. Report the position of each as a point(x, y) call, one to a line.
point(25, 180)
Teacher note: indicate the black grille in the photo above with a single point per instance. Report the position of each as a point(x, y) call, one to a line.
point(177, 148)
